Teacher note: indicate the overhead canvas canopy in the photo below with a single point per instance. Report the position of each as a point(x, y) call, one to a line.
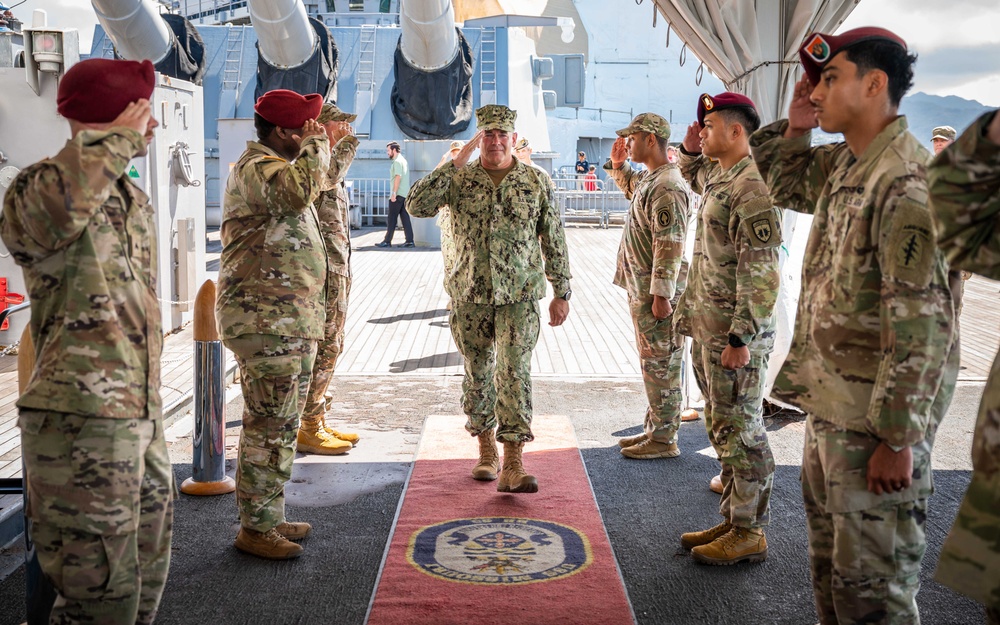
point(752, 45)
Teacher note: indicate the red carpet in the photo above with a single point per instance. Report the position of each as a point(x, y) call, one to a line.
point(464, 554)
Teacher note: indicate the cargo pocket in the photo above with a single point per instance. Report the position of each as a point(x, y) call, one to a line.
point(273, 395)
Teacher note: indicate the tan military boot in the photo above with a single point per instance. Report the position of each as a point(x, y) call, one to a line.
point(513, 479)
point(489, 458)
point(294, 531)
point(690, 540)
point(312, 439)
point(350, 437)
point(649, 449)
point(270, 544)
point(631, 440)
point(716, 484)
point(740, 544)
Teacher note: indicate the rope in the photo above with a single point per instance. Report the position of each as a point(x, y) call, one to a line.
point(755, 68)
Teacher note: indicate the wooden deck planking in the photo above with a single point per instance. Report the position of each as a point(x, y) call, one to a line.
point(402, 286)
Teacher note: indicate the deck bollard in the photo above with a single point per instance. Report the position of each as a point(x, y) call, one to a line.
point(209, 463)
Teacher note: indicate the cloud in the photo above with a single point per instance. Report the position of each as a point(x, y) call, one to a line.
point(955, 65)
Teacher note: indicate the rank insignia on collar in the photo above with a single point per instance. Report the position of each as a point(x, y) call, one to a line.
point(818, 49)
point(762, 228)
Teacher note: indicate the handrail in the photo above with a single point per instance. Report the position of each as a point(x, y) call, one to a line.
point(13, 309)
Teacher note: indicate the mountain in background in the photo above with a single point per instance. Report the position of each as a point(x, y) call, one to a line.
point(925, 112)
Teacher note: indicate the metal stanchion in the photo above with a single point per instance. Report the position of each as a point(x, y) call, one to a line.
point(209, 463)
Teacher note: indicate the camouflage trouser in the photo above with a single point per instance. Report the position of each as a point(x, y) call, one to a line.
point(338, 289)
point(496, 342)
point(100, 501)
point(735, 422)
point(864, 549)
point(275, 373)
point(660, 360)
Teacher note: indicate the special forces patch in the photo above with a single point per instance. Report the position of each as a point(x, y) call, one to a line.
point(499, 551)
point(913, 254)
point(762, 229)
point(664, 217)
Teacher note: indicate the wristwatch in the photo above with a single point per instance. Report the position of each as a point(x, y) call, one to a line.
point(566, 295)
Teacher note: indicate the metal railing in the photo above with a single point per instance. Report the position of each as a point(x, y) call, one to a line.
point(579, 200)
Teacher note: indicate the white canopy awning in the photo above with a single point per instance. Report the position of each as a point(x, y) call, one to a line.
point(752, 45)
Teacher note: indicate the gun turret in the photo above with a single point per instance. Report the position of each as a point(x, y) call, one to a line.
point(294, 51)
point(140, 32)
point(432, 93)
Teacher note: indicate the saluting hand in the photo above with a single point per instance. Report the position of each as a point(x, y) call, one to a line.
point(465, 153)
point(692, 139)
point(619, 152)
point(311, 128)
point(335, 131)
point(801, 112)
point(135, 116)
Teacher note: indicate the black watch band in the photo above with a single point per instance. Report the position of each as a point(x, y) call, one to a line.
point(735, 341)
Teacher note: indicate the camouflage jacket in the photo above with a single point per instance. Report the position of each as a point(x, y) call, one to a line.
point(501, 234)
point(272, 275)
point(875, 318)
point(652, 248)
point(734, 279)
point(334, 206)
point(964, 185)
point(85, 238)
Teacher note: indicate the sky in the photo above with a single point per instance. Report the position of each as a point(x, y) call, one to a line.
point(957, 42)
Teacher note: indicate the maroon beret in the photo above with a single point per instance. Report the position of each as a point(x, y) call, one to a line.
point(725, 100)
point(819, 48)
point(96, 91)
point(287, 109)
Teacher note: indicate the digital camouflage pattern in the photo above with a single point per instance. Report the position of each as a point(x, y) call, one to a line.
point(335, 225)
point(495, 117)
point(85, 238)
point(873, 282)
point(96, 465)
point(502, 234)
point(275, 375)
point(734, 279)
point(651, 262)
point(964, 185)
point(447, 243)
point(100, 499)
point(272, 274)
point(873, 286)
point(496, 343)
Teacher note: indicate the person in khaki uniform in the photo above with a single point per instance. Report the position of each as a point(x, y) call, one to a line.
point(315, 436)
point(728, 311)
point(508, 240)
point(97, 471)
point(874, 356)
point(964, 186)
point(271, 305)
point(651, 270)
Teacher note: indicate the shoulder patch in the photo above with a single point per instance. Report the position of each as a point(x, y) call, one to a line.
point(764, 229)
point(664, 217)
point(911, 245)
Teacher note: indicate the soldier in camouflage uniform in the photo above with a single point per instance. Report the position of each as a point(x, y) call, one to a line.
point(506, 225)
point(964, 185)
point(97, 471)
point(651, 270)
point(315, 436)
point(271, 305)
point(728, 310)
point(874, 287)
